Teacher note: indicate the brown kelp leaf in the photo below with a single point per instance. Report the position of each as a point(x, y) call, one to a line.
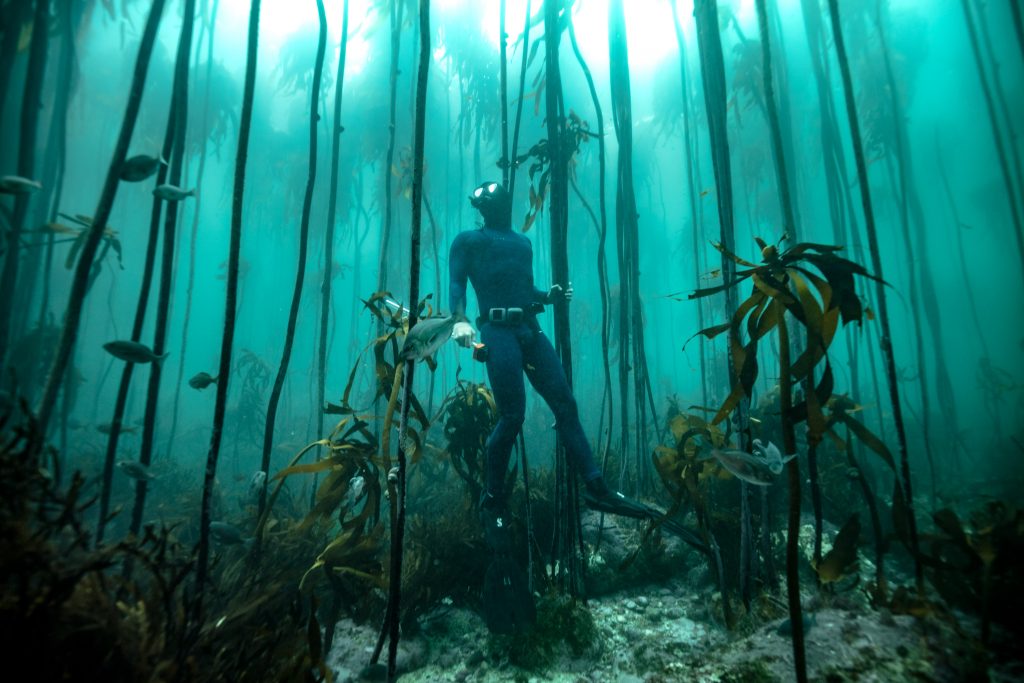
point(868, 438)
point(839, 561)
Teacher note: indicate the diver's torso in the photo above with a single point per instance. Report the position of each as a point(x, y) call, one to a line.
point(501, 269)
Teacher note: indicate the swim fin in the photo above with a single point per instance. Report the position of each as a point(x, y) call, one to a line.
point(613, 502)
point(508, 603)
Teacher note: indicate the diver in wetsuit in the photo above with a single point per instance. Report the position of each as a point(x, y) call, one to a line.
point(499, 264)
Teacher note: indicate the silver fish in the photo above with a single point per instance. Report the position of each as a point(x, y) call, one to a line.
point(133, 352)
point(135, 470)
point(742, 465)
point(139, 168)
point(172, 193)
point(771, 456)
point(202, 380)
point(256, 483)
point(16, 184)
point(227, 534)
point(107, 428)
point(427, 336)
point(356, 490)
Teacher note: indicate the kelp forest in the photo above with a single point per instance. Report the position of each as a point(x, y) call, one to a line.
point(248, 432)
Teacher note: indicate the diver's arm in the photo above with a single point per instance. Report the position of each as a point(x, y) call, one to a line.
point(458, 273)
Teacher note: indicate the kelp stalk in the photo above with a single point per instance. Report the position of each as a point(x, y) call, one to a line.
point(885, 341)
point(519, 103)
point(28, 131)
point(230, 301)
point(332, 207)
point(398, 530)
point(179, 124)
point(793, 526)
point(80, 282)
point(602, 256)
point(300, 271)
point(141, 306)
point(997, 136)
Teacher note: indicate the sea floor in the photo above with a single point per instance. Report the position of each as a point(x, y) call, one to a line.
point(653, 635)
point(668, 630)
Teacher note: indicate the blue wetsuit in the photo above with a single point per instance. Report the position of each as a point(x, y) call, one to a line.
point(499, 264)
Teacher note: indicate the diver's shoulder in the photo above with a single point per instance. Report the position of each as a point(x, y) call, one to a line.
point(466, 237)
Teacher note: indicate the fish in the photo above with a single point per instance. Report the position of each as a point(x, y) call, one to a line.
point(16, 184)
point(356, 490)
point(139, 167)
point(742, 465)
point(202, 380)
point(227, 534)
point(771, 456)
point(427, 336)
point(133, 352)
point(256, 482)
point(135, 470)
point(172, 193)
point(786, 627)
point(107, 428)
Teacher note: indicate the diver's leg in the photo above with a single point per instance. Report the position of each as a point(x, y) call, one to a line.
point(505, 373)
point(547, 376)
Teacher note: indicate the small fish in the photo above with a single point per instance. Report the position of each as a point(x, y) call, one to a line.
point(172, 193)
point(786, 627)
point(202, 380)
point(771, 456)
point(135, 470)
point(15, 184)
point(356, 490)
point(139, 168)
point(58, 229)
point(227, 534)
point(427, 336)
point(742, 465)
point(256, 482)
point(133, 352)
point(107, 427)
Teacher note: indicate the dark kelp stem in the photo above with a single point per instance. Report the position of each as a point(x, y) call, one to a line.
point(689, 145)
point(196, 213)
point(503, 85)
point(876, 262)
point(793, 526)
point(141, 306)
point(1018, 25)
point(12, 17)
point(997, 136)
point(566, 539)
point(80, 282)
point(385, 238)
point(230, 303)
point(300, 272)
point(332, 208)
point(179, 123)
point(31, 104)
point(519, 103)
point(398, 489)
point(602, 257)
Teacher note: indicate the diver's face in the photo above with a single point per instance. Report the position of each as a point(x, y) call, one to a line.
point(492, 201)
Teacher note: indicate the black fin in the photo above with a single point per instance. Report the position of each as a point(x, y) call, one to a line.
point(617, 504)
point(508, 603)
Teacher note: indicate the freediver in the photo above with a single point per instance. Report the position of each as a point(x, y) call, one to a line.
point(498, 262)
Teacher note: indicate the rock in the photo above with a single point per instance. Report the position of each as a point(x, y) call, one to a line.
point(631, 605)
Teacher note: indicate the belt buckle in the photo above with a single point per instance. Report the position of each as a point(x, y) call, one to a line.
point(496, 315)
point(513, 315)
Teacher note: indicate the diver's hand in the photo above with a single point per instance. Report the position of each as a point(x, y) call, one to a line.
point(463, 334)
point(556, 292)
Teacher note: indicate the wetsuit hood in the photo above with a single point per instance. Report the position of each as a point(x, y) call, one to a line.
point(493, 202)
